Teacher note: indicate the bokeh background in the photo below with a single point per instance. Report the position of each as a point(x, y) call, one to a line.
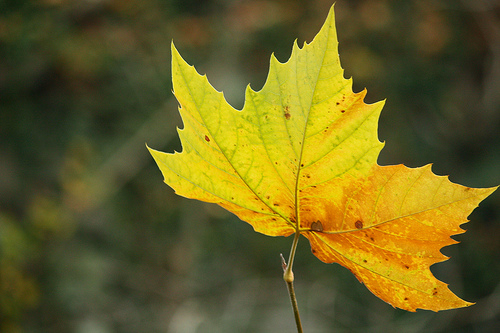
point(91, 240)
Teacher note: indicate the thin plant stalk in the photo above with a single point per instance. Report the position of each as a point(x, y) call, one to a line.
point(288, 277)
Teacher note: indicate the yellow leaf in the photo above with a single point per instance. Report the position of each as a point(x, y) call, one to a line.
point(301, 156)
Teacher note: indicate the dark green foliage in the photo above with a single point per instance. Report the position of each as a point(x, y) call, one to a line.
point(89, 239)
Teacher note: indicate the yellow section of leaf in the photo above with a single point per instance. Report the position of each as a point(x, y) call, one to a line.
point(301, 157)
point(304, 127)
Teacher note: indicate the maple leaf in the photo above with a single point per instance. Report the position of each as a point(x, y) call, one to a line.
point(301, 157)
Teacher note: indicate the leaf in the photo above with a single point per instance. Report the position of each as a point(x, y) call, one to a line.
point(301, 156)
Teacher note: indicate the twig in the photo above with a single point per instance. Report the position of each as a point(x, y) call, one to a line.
point(288, 277)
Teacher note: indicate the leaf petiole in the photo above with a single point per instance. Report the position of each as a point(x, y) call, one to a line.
point(288, 277)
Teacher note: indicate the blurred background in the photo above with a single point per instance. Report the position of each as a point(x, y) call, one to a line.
point(91, 240)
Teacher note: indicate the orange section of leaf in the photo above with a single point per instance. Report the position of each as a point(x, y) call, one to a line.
point(388, 229)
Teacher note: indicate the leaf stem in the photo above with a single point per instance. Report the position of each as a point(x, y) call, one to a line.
point(288, 277)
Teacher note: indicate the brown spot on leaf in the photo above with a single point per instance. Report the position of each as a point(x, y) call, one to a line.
point(207, 139)
point(276, 204)
point(358, 224)
point(407, 267)
point(342, 111)
point(317, 226)
point(286, 112)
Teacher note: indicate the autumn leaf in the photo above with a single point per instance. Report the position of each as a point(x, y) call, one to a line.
point(301, 157)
